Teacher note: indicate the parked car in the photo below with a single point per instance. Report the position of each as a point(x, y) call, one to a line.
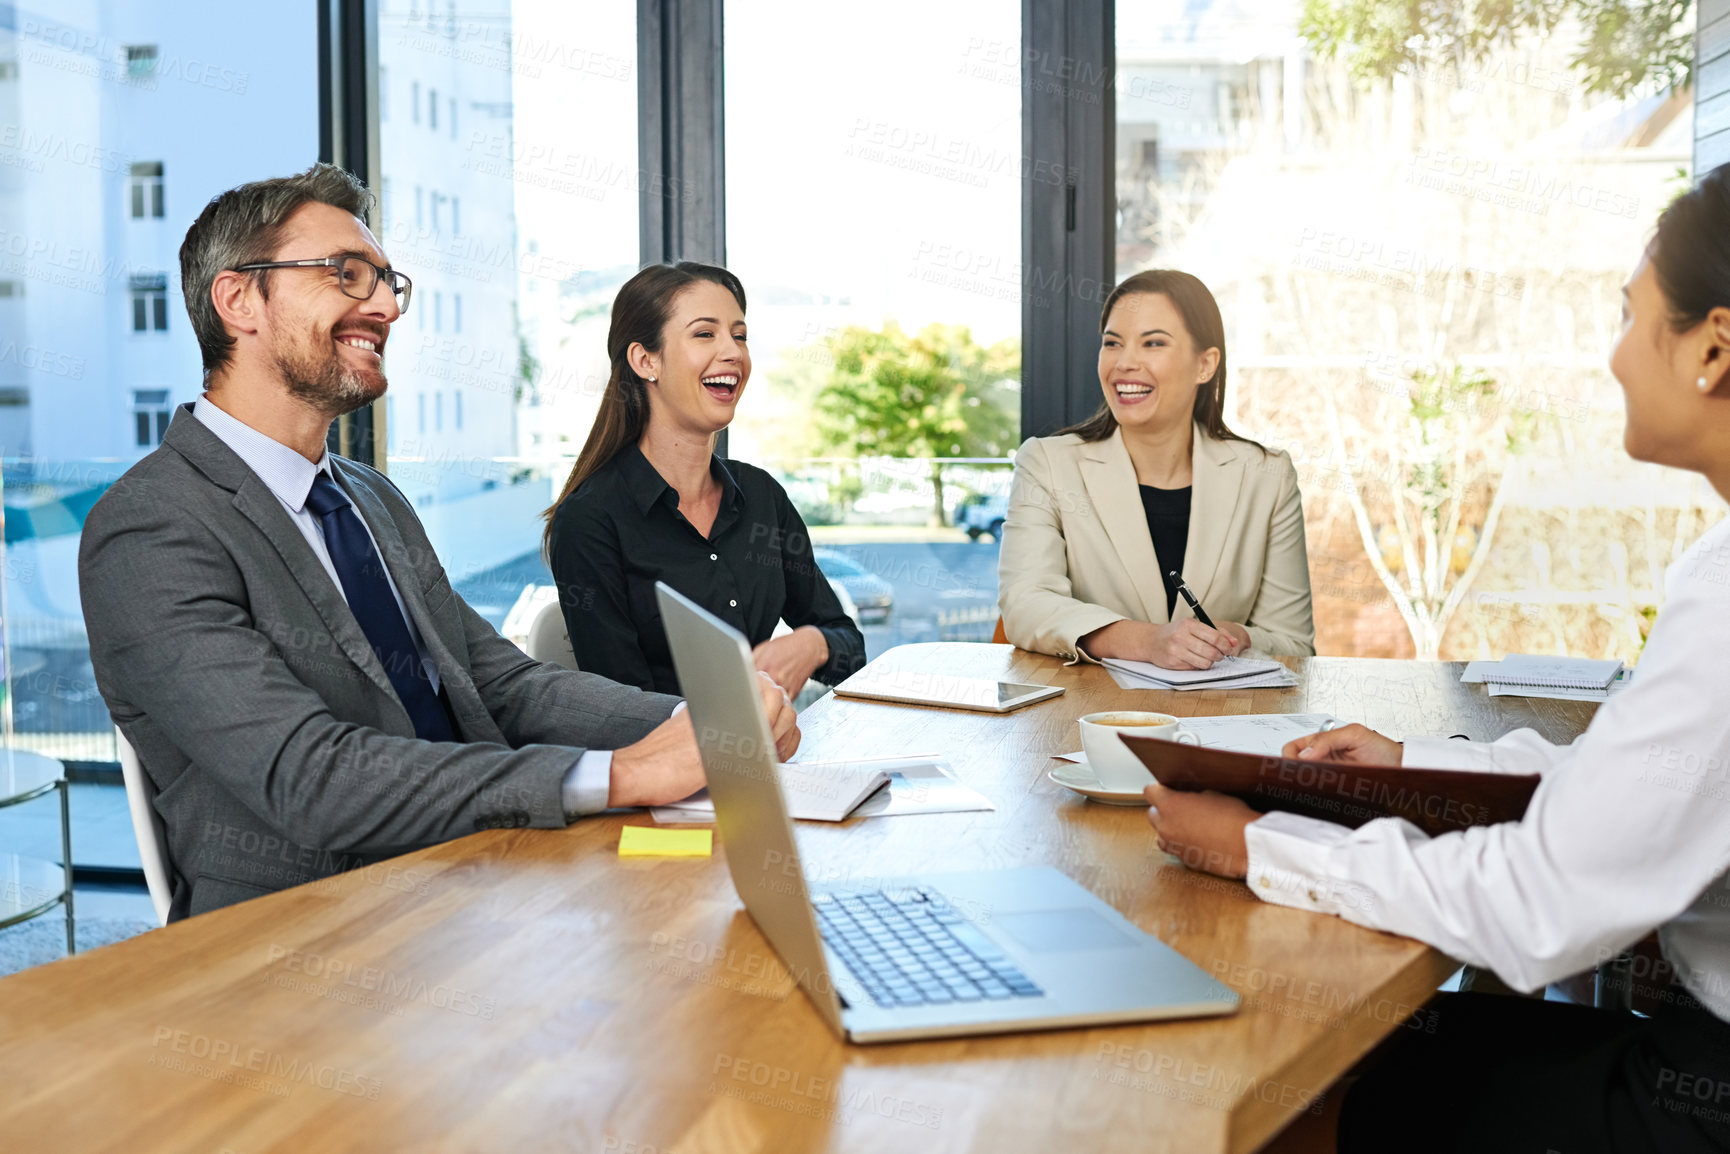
point(984, 515)
point(873, 596)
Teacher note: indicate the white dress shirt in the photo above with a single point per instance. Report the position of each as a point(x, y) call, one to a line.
point(289, 475)
point(1629, 829)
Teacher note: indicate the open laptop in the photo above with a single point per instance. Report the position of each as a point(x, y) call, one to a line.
point(929, 956)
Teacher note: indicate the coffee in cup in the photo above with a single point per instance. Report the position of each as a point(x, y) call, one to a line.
point(1115, 767)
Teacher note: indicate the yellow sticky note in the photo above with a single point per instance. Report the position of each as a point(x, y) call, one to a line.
point(648, 841)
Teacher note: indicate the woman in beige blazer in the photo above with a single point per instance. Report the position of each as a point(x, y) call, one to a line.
point(1101, 511)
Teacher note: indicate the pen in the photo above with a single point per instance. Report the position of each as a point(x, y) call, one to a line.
point(1200, 613)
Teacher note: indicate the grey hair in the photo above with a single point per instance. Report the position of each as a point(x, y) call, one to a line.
point(244, 226)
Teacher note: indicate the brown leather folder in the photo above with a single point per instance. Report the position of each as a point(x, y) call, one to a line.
point(1437, 801)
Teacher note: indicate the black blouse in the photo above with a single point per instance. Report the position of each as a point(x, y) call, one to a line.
point(622, 531)
point(1168, 524)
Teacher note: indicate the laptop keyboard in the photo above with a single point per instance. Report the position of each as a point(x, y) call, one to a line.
point(910, 948)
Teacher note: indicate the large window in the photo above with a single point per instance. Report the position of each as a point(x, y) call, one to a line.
point(211, 95)
point(519, 167)
point(875, 218)
point(94, 352)
point(1419, 276)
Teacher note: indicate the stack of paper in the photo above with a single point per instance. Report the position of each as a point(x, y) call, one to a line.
point(1263, 733)
point(1226, 673)
point(1557, 678)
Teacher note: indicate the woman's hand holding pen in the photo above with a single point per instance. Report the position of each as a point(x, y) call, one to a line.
point(1189, 644)
point(1186, 644)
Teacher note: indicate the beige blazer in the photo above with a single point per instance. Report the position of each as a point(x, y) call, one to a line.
point(1077, 555)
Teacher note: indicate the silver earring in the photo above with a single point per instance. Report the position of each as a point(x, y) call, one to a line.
point(652, 380)
point(1702, 385)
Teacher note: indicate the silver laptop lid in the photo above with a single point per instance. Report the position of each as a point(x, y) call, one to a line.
point(715, 671)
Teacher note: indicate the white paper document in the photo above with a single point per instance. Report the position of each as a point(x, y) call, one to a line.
point(1226, 673)
point(921, 785)
point(817, 791)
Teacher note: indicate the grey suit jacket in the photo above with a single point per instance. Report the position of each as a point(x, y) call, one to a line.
point(231, 662)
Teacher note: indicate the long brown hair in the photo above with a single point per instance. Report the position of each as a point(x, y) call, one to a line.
point(640, 314)
point(1200, 313)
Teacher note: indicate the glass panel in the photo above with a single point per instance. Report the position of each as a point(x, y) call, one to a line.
point(540, 153)
point(883, 217)
point(217, 95)
point(1428, 263)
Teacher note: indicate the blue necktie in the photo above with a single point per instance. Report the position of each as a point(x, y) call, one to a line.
point(374, 606)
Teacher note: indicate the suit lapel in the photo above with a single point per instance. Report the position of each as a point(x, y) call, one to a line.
point(1113, 491)
point(1218, 480)
point(259, 505)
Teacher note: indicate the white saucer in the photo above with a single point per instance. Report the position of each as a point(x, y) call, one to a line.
point(1080, 778)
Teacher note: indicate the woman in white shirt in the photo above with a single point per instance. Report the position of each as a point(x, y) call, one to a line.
point(1629, 831)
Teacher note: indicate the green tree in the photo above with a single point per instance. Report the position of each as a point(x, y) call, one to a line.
point(934, 394)
point(1627, 45)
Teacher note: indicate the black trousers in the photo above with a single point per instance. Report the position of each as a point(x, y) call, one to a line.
point(1515, 1074)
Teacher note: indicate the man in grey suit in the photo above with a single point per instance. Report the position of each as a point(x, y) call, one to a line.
point(269, 624)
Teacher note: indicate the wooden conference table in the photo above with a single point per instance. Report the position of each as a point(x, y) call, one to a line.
point(527, 990)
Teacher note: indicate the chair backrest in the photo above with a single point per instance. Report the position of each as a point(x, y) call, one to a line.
point(548, 640)
point(998, 636)
point(147, 827)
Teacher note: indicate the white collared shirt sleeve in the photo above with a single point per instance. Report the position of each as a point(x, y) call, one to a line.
point(1521, 752)
point(1628, 828)
point(588, 783)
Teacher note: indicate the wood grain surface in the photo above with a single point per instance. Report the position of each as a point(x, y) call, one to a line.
point(525, 990)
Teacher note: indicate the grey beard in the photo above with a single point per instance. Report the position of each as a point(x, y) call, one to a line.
point(325, 385)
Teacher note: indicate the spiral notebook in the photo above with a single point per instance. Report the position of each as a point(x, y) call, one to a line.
point(1523, 669)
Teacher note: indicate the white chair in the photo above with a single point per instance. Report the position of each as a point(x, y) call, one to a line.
point(547, 639)
point(146, 827)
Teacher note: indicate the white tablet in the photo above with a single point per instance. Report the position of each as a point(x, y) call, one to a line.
point(911, 687)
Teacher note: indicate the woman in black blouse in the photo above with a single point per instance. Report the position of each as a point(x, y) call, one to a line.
point(648, 500)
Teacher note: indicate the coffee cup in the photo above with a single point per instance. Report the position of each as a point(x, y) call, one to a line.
point(1113, 764)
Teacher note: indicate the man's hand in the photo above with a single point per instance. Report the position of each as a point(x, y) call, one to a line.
point(1353, 743)
point(1202, 830)
point(792, 659)
point(665, 766)
point(661, 768)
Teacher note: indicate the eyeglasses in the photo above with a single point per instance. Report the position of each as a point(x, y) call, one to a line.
point(355, 275)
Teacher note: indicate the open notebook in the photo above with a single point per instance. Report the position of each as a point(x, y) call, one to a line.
point(815, 791)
